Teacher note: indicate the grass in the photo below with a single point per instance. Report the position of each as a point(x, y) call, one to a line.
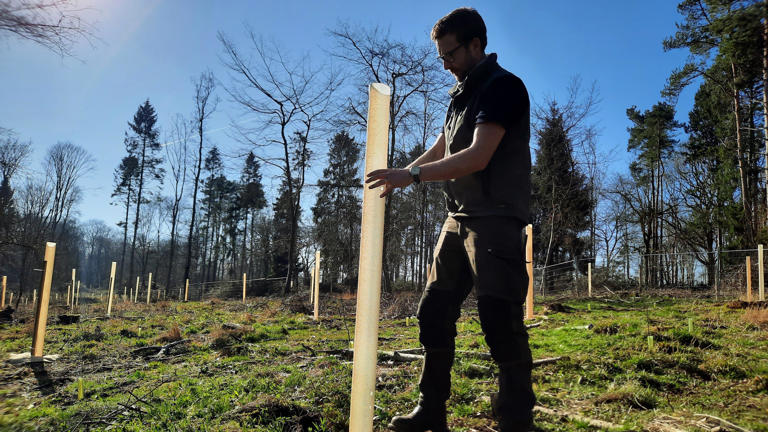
point(261, 367)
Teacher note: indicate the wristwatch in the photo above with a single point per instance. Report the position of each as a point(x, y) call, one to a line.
point(415, 171)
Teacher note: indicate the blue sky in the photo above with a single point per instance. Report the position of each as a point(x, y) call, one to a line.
point(153, 49)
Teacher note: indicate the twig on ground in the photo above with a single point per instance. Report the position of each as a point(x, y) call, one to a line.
point(577, 417)
point(723, 422)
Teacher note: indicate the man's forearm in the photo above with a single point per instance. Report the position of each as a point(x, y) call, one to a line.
point(434, 153)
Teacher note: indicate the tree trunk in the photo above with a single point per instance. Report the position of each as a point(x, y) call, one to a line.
point(745, 196)
point(765, 95)
point(138, 204)
point(125, 232)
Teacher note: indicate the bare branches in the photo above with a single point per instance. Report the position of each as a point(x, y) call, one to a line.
point(12, 154)
point(53, 24)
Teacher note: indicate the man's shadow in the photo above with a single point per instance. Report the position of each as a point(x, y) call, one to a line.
point(44, 381)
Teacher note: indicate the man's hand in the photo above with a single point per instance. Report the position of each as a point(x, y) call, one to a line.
point(388, 179)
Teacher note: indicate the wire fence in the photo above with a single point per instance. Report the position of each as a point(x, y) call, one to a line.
point(725, 273)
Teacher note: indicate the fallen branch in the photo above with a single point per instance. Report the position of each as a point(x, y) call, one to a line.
point(723, 422)
point(577, 417)
point(536, 324)
point(157, 350)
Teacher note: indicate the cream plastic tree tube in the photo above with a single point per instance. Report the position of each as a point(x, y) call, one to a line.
point(529, 269)
point(316, 288)
point(111, 287)
point(369, 273)
point(149, 287)
point(41, 314)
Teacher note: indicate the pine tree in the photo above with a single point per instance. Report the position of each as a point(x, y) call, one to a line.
point(561, 205)
point(336, 212)
point(143, 145)
point(251, 200)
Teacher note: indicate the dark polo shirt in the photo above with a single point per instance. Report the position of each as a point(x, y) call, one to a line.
point(503, 188)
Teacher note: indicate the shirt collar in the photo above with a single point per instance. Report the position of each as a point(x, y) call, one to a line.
point(476, 75)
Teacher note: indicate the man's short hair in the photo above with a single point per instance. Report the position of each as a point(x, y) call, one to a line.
point(463, 22)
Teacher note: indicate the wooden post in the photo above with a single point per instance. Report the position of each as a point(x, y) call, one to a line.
point(136, 292)
point(317, 284)
point(34, 296)
point(111, 287)
point(71, 299)
point(312, 286)
point(369, 274)
point(243, 288)
point(749, 278)
point(41, 314)
point(125, 292)
point(10, 300)
point(589, 279)
point(186, 290)
point(760, 274)
point(2, 297)
point(149, 287)
point(77, 296)
point(529, 267)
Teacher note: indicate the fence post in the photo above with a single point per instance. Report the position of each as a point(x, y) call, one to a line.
point(41, 315)
point(71, 299)
point(369, 281)
point(529, 268)
point(312, 286)
point(149, 287)
point(111, 287)
point(589, 279)
point(760, 274)
point(2, 297)
point(186, 290)
point(243, 288)
point(749, 279)
point(317, 284)
point(136, 291)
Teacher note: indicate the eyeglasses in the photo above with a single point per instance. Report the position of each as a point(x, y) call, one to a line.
point(448, 57)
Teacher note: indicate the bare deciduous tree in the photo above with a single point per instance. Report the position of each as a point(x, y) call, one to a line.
point(54, 24)
point(205, 105)
point(289, 99)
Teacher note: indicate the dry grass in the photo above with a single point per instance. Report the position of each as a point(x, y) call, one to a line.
point(172, 335)
point(758, 317)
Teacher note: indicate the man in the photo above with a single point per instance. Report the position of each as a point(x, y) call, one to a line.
point(483, 158)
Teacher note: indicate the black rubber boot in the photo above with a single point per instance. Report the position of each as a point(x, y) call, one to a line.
point(435, 387)
point(513, 405)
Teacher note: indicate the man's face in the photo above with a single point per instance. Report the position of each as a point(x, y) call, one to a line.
point(456, 57)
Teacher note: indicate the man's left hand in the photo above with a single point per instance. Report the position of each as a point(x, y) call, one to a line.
point(388, 179)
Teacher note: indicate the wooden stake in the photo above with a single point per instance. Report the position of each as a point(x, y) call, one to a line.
point(2, 297)
point(71, 300)
point(149, 287)
point(136, 292)
point(529, 267)
point(369, 275)
point(34, 296)
point(589, 279)
point(749, 278)
point(77, 297)
point(111, 287)
point(10, 301)
point(312, 287)
point(243, 288)
point(317, 284)
point(41, 315)
point(186, 290)
point(760, 274)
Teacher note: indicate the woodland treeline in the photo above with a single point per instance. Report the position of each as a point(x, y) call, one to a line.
point(190, 211)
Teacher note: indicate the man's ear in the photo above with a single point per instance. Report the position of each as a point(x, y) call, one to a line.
point(476, 46)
